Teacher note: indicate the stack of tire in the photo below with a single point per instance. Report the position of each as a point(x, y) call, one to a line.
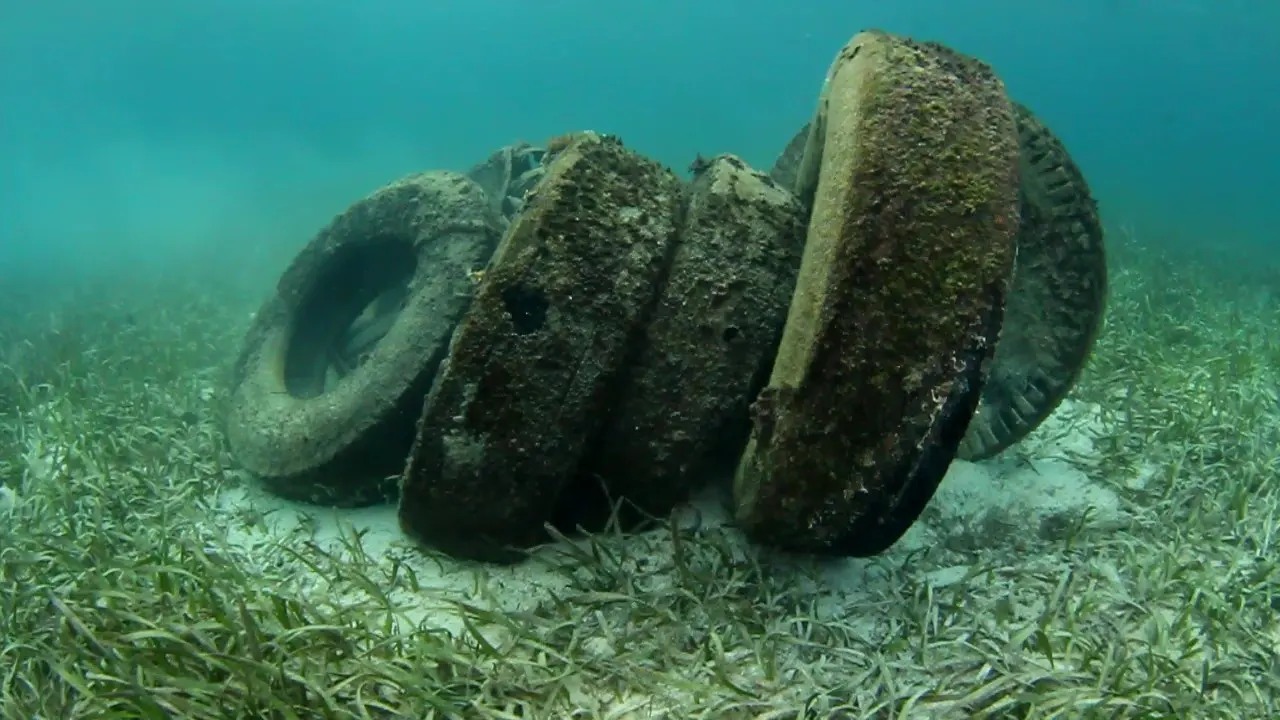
point(572, 335)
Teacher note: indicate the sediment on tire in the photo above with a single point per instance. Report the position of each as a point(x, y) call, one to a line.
point(506, 424)
point(680, 412)
point(912, 164)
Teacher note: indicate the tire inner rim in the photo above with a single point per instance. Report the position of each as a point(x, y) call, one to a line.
point(346, 312)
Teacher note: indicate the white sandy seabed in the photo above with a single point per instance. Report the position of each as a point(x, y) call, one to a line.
point(1037, 484)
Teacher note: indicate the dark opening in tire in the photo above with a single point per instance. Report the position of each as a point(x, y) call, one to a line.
point(352, 306)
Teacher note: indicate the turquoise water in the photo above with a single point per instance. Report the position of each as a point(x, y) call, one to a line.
point(151, 134)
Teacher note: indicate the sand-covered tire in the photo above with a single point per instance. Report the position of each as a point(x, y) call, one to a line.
point(528, 376)
point(389, 277)
point(681, 413)
point(1057, 300)
point(914, 165)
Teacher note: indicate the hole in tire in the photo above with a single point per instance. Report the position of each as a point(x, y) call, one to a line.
point(350, 305)
point(527, 308)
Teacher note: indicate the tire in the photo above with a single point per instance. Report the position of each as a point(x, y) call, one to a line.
point(1057, 301)
point(335, 367)
point(899, 300)
point(786, 168)
point(680, 415)
point(531, 367)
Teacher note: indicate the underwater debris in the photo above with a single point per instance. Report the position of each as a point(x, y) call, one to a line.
point(898, 304)
point(1057, 296)
point(301, 417)
point(593, 359)
point(680, 412)
point(532, 364)
point(1056, 301)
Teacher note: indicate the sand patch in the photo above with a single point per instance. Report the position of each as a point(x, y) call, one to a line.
point(1044, 492)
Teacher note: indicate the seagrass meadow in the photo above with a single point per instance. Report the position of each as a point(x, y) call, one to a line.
point(142, 576)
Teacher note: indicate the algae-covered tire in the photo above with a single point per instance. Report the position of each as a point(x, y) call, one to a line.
point(335, 366)
point(1057, 300)
point(681, 413)
point(527, 379)
point(897, 308)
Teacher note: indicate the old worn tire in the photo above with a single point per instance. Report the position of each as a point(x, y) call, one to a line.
point(531, 367)
point(787, 167)
point(1057, 300)
point(913, 168)
point(681, 411)
point(343, 443)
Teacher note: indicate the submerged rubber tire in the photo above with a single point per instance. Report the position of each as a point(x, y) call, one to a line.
point(528, 376)
point(913, 163)
point(786, 168)
point(680, 415)
point(345, 445)
point(1057, 301)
